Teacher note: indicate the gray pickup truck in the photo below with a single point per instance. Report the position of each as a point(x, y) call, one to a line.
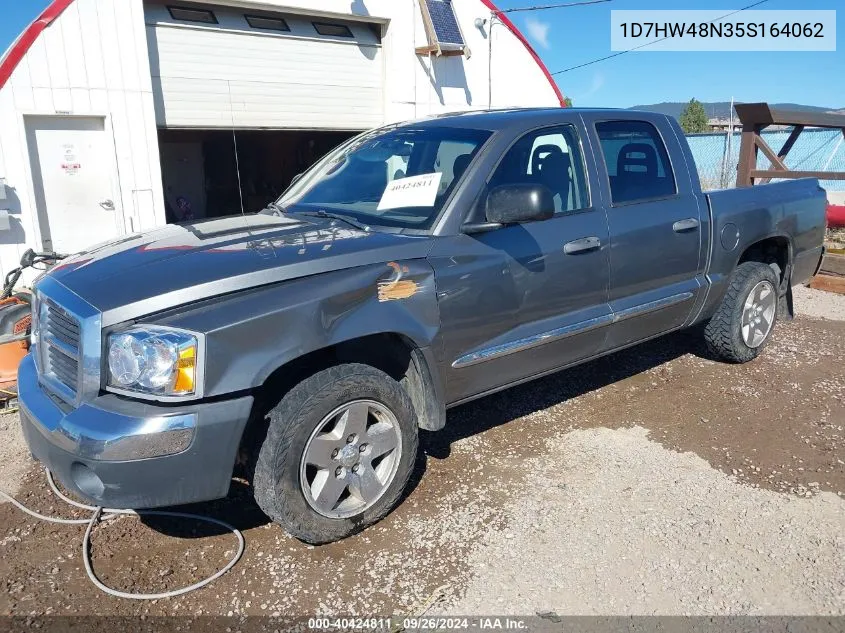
point(414, 268)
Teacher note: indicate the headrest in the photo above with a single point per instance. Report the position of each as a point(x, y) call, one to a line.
point(541, 153)
point(637, 154)
point(555, 165)
point(460, 165)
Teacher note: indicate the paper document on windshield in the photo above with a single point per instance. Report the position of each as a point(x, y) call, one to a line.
point(414, 191)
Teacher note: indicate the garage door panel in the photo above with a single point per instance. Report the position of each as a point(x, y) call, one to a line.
point(204, 103)
point(244, 94)
point(208, 77)
point(277, 60)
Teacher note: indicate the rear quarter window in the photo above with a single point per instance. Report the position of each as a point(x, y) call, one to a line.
point(637, 161)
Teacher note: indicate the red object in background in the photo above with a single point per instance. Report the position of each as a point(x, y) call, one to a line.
point(512, 27)
point(836, 216)
point(26, 39)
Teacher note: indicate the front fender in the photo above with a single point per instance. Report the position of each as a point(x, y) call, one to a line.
point(252, 333)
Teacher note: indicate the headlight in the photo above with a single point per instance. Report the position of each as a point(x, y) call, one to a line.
point(154, 360)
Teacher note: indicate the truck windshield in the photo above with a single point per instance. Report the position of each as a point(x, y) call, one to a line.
point(399, 177)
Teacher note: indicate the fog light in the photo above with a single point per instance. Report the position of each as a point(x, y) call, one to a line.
point(87, 480)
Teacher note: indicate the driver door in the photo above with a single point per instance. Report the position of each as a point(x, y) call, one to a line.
point(528, 298)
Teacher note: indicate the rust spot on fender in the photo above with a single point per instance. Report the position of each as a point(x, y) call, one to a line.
point(396, 287)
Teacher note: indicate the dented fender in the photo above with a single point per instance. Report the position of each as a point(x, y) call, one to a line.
point(252, 333)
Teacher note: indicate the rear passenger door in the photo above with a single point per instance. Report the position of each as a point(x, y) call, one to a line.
point(655, 228)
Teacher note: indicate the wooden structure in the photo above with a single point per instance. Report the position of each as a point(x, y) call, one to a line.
point(756, 117)
point(831, 275)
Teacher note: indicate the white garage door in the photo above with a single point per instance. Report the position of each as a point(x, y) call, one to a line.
point(222, 67)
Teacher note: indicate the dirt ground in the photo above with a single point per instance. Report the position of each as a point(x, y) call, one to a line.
point(652, 481)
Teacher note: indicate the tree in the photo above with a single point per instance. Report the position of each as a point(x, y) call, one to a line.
point(694, 118)
point(567, 102)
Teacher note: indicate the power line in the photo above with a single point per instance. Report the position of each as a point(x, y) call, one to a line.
point(601, 59)
point(550, 6)
point(498, 15)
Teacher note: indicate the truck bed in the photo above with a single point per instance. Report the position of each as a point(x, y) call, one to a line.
point(792, 211)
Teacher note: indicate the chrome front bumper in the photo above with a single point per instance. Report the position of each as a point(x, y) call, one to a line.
point(120, 452)
point(111, 430)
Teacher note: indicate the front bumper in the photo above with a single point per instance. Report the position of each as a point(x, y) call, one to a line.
point(123, 453)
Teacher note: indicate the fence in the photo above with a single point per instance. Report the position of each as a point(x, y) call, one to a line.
point(717, 155)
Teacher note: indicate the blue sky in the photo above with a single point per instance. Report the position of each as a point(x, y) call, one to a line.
point(567, 37)
point(14, 16)
point(571, 36)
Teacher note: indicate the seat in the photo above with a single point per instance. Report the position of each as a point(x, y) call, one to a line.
point(636, 172)
point(555, 174)
point(460, 166)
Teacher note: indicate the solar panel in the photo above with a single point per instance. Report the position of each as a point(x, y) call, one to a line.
point(444, 22)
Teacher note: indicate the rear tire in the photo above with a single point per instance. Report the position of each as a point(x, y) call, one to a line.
point(744, 321)
point(339, 451)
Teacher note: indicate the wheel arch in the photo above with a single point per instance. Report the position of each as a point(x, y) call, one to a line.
point(773, 249)
point(394, 353)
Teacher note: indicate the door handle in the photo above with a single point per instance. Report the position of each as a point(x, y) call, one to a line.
point(681, 226)
point(108, 205)
point(582, 246)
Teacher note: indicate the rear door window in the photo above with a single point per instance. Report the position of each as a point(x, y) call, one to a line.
point(637, 161)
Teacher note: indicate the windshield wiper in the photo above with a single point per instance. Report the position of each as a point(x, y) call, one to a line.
point(337, 216)
point(273, 208)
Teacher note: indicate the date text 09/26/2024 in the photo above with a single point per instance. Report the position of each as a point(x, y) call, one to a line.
point(419, 623)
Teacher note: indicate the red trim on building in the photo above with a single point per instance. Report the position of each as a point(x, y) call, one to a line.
point(25, 41)
point(507, 22)
point(21, 45)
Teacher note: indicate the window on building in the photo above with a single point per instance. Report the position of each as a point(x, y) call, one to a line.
point(442, 28)
point(188, 14)
point(267, 23)
point(332, 29)
point(637, 161)
point(550, 157)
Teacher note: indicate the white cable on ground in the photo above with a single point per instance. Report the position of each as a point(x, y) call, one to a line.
point(112, 513)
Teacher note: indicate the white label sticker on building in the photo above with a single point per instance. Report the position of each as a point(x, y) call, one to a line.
point(414, 191)
point(70, 165)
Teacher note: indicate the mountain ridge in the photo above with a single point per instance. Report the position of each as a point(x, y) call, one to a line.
point(721, 109)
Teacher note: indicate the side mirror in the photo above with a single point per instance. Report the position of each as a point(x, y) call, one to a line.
point(515, 204)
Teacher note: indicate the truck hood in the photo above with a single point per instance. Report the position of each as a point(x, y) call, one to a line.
point(179, 264)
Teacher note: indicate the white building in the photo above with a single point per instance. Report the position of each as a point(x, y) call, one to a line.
point(113, 112)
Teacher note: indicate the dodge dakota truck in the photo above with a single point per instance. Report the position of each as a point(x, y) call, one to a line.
point(414, 268)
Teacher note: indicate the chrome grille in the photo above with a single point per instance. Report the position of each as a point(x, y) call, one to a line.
point(60, 336)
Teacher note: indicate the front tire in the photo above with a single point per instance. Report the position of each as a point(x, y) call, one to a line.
point(744, 321)
point(339, 451)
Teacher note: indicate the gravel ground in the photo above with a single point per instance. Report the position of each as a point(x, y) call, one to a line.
point(618, 524)
point(14, 454)
point(819, 304)
point(652, 481)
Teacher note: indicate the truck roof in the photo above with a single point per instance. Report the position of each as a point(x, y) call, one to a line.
point(505, 118)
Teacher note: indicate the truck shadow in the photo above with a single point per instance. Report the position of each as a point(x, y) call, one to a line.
point(497, 409)
point(240, 510)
